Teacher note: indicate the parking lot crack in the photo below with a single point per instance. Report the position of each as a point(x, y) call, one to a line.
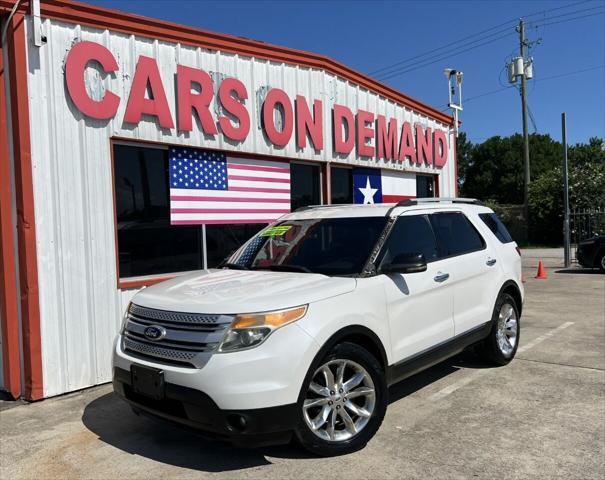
point(560, 364)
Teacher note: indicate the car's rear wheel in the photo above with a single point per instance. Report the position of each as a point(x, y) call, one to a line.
point(343, 401)
point(501, 345)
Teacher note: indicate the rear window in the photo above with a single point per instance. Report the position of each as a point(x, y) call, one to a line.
point(496, 226)
point(456, 234)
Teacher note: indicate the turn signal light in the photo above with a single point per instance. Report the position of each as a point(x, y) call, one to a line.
point(269, 319)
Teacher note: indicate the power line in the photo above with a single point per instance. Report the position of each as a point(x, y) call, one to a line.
point(423, 63)
point(552, 77)
point(570, 13)
point(448, 55)
point(571, 19)
point(448, 46)
point(460, 40)
point(533, 120)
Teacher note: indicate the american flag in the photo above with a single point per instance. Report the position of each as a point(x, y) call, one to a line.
point(209, 187)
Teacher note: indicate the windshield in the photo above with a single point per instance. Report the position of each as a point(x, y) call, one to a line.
point(330, 246)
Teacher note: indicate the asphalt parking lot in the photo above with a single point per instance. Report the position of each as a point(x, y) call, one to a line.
point(543, 416)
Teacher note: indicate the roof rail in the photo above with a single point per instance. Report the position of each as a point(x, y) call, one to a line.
point(420, 201)
point(311, 207)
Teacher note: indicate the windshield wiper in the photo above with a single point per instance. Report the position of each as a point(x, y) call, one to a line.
point(284, 267)
point(235, 266)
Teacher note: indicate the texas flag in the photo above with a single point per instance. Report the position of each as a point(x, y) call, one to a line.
point(367, 186)
point(398, 186)
point(373, 186)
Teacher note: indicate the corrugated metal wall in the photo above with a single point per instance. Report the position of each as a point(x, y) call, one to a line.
point(81, 307)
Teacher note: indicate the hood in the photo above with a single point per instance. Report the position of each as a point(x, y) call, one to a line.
point(241, 291)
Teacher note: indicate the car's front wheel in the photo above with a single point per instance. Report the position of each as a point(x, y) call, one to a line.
point(343, 401)
point(601, 261)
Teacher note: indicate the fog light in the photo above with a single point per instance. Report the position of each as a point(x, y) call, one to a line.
point(236, 422)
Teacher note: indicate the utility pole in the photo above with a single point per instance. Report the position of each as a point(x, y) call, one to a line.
point(522, 45)
point(566, 236)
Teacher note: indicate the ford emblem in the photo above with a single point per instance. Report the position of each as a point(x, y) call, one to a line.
point(154, 332)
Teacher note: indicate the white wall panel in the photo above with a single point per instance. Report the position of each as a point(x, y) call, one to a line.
point(81, 306)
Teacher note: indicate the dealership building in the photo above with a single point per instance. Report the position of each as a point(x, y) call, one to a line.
point(102, 116)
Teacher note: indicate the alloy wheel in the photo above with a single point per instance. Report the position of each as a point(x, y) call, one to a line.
point(506, 333)
point(340, 400)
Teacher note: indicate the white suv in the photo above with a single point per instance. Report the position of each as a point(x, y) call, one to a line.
point(308, 323)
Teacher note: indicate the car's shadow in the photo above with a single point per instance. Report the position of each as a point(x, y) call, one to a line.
point(114, 423)
point(580, 270)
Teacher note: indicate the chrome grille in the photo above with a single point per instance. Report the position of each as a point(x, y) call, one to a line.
point(176, 317)
point(189, 339)
point(155, 351)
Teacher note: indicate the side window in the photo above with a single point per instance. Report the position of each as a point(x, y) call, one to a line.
point(410, 234)
point(456, 234)
point(496, 226)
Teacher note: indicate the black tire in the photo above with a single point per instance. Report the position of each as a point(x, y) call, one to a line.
point(600, 261)
point(490, 349)
point(318, 446)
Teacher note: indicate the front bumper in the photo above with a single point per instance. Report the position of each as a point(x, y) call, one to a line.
point(585, 257)
point(192, 408)
point(265, 376)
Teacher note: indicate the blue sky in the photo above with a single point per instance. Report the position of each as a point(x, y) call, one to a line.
point(370, 35)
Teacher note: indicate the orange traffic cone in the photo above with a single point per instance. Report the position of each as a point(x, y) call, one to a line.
point(541, 272)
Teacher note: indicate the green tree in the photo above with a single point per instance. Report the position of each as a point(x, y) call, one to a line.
point(586, 190)
point(495, 171)
point(464, 153)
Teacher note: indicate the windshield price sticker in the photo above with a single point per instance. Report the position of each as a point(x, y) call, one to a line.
point(276, 231)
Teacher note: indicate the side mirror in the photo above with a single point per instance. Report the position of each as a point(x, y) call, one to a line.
point(405, 263)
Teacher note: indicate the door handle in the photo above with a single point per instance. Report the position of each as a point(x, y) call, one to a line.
point(491, 262)
point(441, 277)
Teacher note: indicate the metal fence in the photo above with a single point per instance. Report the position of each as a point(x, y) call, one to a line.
point(585, 224)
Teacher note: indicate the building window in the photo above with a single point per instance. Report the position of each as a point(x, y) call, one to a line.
point(223, 240)
point(425, 186)
point(305, 185)
point(147, 243)
point(341, 183)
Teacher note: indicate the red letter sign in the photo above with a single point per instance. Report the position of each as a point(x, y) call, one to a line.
point(364, 133)
point(147, 73)
point(79, 57)
point(387, 140)
point(424, 145)
point(305, 123)
point(274, 97)
point(440, 148)
point(188, 101)
point(406, 144)
point(343, 115)
point(235, 108)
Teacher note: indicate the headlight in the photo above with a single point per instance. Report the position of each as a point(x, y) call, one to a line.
point(250, 330)
point(125, 318)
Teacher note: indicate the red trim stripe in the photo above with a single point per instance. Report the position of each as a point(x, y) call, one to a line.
point(26, 223)
point(202, 198)
point(218, 222)
point(229, 210)
point(395, 198)
point(9, 305)
point(259, 189)
point(257, 168)
point(259, 179)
